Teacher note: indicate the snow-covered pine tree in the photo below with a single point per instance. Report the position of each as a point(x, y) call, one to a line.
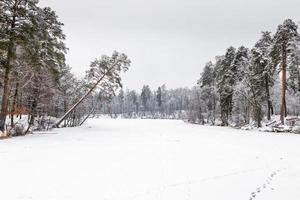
point(208, 91)
point(256, 83)
point(33, 42)
point(239, 67)
point(15, 29)
point(293, 63)
point(225, 83)
point(207, 77)
point(46, 53)
point(283, 40)
point(262, 59)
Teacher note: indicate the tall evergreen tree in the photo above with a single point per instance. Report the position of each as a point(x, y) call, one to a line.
point(15, 29)
point(208, 91)
point(239, 67)
point(263, 63)
point(45, 52)
point(283, 40)
point(225, 83)
point(294, 66)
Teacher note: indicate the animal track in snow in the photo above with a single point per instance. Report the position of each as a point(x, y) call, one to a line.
point(265, 185)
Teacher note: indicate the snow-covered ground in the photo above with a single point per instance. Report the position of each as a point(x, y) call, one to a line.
point(119, 159)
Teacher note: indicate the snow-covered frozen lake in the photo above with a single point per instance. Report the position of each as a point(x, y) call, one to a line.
point(118, 159)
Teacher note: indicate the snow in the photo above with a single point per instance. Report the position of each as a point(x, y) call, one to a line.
point(143, 159)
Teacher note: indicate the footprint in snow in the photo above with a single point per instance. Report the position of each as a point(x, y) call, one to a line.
point(268, 181)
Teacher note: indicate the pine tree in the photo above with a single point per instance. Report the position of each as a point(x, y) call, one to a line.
point(262, 62)
point(46, 55)
point(294, 66)
point(239, 68)
point(207, 76)
point(15, 29)
point(208, 91)
point(283, 39)
point(225, 82)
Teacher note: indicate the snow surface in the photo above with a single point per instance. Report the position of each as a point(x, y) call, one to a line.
point(134, 159)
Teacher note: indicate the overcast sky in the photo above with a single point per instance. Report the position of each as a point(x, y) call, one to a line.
point(168, 41)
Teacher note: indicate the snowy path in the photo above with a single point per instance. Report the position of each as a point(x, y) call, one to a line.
point(150, 160)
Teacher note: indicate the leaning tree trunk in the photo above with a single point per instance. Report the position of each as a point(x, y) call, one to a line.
point(283, 112)
point(56, 125)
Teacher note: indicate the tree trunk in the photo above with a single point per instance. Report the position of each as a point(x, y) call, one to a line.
point(6, 87)
point(283, 112)
point(258, 115)
point(214, 109)
point(31, 115)
point(270, 106)
point(299, 78)
point(33, 111)
point(19, 105)
point(5, 99)
point(13, 107)
point(34, 103)
point(74, 119)
point(224, 112)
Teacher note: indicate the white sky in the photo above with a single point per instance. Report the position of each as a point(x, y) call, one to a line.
point(168, 41)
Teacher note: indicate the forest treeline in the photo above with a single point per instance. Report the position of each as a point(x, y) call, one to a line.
point(35, 80)
point(244, 86)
